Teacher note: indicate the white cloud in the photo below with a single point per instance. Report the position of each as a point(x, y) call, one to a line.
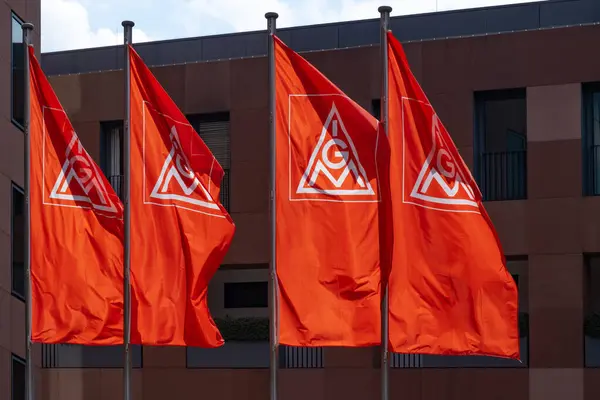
point(66, 25)
point(72, 24)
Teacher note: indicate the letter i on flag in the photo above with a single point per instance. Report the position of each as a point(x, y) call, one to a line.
point(76, 231)
point(180, 232)
point(327, 196)
point(449, 290)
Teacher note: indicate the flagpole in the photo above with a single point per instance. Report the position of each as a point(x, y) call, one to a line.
point(27, 29)
point(273, 320)
point(385, 369)
point(127, 33)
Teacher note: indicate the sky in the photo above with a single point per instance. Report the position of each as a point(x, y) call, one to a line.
point(76, 24)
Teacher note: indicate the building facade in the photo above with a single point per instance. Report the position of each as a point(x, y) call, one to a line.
point(518, 88)
point(12, 306)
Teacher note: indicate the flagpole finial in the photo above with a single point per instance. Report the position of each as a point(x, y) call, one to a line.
point(385, 9)
point(27, 26)
point(271, 15)
point(127, 23)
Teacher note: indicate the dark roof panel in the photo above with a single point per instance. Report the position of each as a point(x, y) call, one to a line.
point(572, 12)
point(479, 21)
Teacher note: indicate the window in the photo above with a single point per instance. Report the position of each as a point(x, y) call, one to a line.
point(591, 139)
point(236, 300)
point(17, 376)
point(246, 294)
point(17, 72)
point(214, 131)
point(376, 108)
point(501, 144)
point(111, 153)
point(518, 267)
point(592, 311)
point(18, 241)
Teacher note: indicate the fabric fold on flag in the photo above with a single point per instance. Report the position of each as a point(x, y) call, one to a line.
point(449, 290)
point(327, 195)
point(76, 229)
point(180, 232)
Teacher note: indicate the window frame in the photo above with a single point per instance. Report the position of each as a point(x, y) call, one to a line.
point(61, 355)
point(479, 133)
point(587, 137)
point(14, 293)
point(16, 358)
point(105, 151)
point(195, 120)
point(14, 17)
point(588, 259)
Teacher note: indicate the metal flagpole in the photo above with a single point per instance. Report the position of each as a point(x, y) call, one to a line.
point(274, 317)
point(385, 371)
point(127, 29)
point(27, 29)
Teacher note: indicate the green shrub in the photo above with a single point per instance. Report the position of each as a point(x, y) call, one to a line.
point(250, 329)
point(256, 329)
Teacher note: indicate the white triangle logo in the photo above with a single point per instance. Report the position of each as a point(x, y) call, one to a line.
point(441, 171)
point(78, 181)
point(342, 175)
point(177, 181)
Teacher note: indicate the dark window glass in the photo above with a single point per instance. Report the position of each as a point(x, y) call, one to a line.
point(246, 294)
point(17, 72)
point(592, 311)
point(17, 378)
point(501, 144)
point(376, 108)
point(18, 241)
point(111, 153)
point(591, 140)
point(214, 131)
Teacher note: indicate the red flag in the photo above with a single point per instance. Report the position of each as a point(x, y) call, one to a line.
point(179, 230)
point(450, 292)
point(327, 194)
point(76, 231)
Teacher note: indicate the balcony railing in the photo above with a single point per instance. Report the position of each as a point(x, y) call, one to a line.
point(398, 360)
point(76, 356)
point(503, 175)
point(300, 357)
point(116, 181)
point(253, 354)
point(50, 356)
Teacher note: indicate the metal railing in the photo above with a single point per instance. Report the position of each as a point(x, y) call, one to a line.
point(75, 356)
point(503, 175)
point(398, 360)
point(78, 356)
point(300, 357)
point(116, 181)
point(50, 356)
